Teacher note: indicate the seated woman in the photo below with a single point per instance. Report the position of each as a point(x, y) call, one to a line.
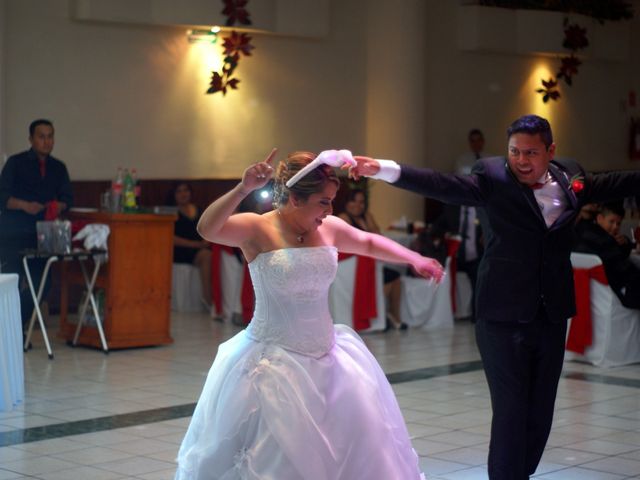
point(188, 245)
point(357, 214)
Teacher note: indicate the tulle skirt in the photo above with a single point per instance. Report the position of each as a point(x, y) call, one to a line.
point(271, 414)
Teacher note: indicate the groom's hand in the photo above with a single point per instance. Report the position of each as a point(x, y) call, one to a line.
point(365, 167)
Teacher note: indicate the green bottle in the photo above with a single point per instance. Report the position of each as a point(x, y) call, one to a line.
point(129, 193)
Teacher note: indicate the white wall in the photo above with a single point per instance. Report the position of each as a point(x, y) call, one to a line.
point(489, 90)
point(388, 80)
point(634, 65)
point(395, 98)
point(2, 76)
point(134, 95)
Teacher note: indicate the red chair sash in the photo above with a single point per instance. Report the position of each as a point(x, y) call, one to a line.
point(452, 250)
point(364, 291)
point(581, 330)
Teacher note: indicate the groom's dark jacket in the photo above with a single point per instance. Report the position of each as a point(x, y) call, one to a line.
point(526, 265)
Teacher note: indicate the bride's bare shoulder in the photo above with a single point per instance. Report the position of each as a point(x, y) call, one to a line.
point(333, 222)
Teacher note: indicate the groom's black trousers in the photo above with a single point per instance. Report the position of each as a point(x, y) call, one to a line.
point(522, 363)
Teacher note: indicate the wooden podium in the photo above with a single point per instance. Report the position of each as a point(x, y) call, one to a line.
point(136, 280)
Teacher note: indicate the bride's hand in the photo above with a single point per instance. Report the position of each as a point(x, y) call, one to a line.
point(364, 167)
point(429, 268)
point(258, 174)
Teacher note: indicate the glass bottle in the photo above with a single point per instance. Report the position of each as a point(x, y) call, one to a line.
point(129, 192)
point(116, 192)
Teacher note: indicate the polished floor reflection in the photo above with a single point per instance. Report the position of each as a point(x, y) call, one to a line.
point(122, 416)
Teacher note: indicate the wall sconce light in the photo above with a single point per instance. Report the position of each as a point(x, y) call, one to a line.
point(201, 35)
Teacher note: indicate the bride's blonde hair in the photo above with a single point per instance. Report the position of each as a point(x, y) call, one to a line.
point(311, 183)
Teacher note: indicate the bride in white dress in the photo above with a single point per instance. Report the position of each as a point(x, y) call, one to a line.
point(294, 396)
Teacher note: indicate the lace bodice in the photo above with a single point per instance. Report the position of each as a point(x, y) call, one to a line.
point(292, 309)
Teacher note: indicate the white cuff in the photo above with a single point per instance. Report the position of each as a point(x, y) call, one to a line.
point(389, 171)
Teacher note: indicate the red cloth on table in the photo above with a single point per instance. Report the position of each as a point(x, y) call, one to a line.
point(364, 291)
point(51, 210)
point(581, 331)
point(452, 249)
point(76, 226)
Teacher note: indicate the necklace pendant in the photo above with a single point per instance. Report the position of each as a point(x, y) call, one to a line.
point(300, 238)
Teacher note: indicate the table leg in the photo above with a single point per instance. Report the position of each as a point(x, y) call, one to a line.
point(36, 304)
point(90, 283)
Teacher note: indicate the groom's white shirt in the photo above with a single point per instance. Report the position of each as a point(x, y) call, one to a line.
point(550, 198)
point(389, 171)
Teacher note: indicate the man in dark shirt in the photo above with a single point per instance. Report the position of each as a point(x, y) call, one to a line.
point(32, 183)
point(603, 238)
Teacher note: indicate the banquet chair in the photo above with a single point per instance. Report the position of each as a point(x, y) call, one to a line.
point(615, 337)
point(341, 296)
point(186, 288)
point(425, 304)
point(231, 276)
point(464, 296)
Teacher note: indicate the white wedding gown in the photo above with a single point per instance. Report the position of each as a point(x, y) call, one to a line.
point(294, 396)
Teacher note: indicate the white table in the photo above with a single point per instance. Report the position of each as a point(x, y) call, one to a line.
point(11, 356)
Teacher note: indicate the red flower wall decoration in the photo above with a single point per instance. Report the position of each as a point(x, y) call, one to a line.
point(235, 12)
point(575, 38)
point(233, 45)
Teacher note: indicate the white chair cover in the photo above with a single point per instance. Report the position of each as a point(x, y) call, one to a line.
point(616, 329)
point(231, 276)
point(186, 289)
point(463, 295)
point(341, 295)
point(427, 304)
point(11, 356)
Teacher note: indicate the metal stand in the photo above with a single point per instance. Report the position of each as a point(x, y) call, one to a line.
point(36, 304)
point(89, 283)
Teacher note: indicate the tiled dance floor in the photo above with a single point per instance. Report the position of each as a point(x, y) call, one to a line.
point(122, 416)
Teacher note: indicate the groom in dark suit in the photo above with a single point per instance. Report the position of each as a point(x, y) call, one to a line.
point(525, 283)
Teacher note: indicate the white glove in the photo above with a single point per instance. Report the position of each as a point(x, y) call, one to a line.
point(333, 158)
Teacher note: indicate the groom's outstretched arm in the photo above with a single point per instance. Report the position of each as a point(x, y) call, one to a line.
point(445, 187)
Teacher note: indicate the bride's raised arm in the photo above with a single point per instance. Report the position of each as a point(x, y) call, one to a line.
point(351, 240)
point(218, 225)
